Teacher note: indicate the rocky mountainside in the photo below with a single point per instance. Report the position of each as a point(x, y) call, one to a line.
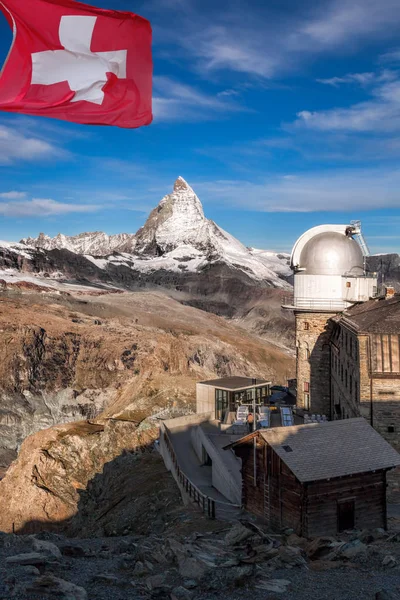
point(68, 356)
point(388, 268)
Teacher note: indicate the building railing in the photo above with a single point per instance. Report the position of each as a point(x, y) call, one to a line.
point(207, 504)
point(318, 303)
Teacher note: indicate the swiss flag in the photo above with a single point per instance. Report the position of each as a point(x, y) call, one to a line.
point(78, 63)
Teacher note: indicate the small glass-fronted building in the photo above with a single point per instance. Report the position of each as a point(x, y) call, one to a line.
point(225, 395)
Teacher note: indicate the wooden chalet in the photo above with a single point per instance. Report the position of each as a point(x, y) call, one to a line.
point(318, 479)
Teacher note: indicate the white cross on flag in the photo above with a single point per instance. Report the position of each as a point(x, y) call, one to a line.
point(78, 63)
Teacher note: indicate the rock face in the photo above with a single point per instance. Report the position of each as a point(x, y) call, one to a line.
point(388, 268)
point(42, 488)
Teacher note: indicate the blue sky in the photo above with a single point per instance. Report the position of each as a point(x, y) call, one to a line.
point(281, 114)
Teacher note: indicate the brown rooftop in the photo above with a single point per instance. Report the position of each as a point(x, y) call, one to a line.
point(374, 316)
point(235, 382)
point(334, 449)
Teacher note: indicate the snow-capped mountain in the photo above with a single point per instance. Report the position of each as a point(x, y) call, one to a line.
point(177, 238)
point(96, 243)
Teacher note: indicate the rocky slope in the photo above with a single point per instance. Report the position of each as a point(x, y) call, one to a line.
point(182, 556)
point(66, 357)
point(388, 268)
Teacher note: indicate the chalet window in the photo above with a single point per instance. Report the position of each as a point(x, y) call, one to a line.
point(306, 326)
point(385, 353)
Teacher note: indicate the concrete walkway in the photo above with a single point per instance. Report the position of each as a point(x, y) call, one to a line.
point(199, 474)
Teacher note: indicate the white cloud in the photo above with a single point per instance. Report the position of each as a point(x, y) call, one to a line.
point(43, 207)
point(379, 114)
point(362, 79)
point(264, 42)
point(16, 146)
point(13, 195)
point(336, 190)
point(174, 101)
point(391, 57)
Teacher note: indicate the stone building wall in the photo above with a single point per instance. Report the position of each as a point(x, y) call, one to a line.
point(384, 389)
point(346, 357)
point(313, 361)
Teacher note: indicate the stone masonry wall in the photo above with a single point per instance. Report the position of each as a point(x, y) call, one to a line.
point(313, 361)
point(385, 390)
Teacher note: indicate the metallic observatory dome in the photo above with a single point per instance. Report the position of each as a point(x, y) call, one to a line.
point(331, 253)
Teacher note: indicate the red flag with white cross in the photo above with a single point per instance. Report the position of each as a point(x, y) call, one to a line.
point(76, 62)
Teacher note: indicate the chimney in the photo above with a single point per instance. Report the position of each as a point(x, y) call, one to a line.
point(389, 292)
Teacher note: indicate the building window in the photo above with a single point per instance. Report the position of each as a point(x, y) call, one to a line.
point(308, 354)
point(356, 389)
point(306, 386)
point(351, 384)
point(348, 284)
point(351, 347)
point(391, 429)
point(306, 326)
point(306, 401)
point(221, 401)
point(345, 377)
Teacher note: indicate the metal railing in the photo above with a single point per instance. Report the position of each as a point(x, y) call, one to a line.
point(317, 303)
point(207, 504)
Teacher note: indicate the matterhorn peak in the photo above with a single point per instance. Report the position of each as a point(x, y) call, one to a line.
point(181, 184)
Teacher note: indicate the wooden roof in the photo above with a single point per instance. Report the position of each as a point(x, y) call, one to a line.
point(374, 316)
point(235, 382)
point(326, 450)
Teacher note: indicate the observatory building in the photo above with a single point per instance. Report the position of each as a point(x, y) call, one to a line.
point(329, 276)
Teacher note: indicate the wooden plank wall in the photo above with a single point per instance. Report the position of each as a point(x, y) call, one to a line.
point(368, 491)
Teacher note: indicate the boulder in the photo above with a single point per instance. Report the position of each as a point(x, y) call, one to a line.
point(53, 587)
point(351, 549)
point(190, 566)
point(294, 540)
point(46, 547)
point(389, 561)
point(181, 593)
point(29, 558)
point(278, 586)
point(238, 534)
point(291, 556)
point(320, 547)
point(156, 581)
